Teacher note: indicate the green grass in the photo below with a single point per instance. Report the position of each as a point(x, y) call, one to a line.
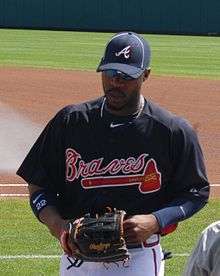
point(171, 55)
point(36, 267)
point(21, 234)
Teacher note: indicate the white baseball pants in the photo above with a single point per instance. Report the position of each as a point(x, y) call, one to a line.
point(145, 261)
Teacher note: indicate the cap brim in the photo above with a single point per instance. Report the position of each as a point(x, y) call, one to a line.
point(129, 70)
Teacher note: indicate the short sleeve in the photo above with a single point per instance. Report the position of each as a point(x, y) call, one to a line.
point(44, 164)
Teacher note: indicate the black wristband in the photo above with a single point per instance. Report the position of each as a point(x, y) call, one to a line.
point(39, 200)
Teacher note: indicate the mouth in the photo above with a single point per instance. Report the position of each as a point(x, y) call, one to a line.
point(115, 91)
point(115, 94)
point(115, 99)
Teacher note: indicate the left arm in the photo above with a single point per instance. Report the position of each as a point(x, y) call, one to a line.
point(188, 187)
point(139, 228)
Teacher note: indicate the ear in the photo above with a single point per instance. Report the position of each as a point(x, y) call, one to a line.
point(146, 74)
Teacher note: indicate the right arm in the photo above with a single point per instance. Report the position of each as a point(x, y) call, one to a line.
point(44, 170)
point(54, 222)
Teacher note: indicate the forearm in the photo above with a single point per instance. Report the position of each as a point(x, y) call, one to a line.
point(178, 210)
point(48, 215)
point(51, 218)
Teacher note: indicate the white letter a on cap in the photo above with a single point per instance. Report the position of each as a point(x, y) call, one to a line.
point(126, 52)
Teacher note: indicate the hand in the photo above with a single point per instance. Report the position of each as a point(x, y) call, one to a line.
point(67, 245)
point(139, 228)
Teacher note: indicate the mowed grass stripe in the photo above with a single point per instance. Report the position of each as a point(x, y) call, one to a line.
point(171, 55)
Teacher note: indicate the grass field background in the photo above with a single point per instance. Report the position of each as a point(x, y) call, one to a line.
point(20, 234)
point(171, 55)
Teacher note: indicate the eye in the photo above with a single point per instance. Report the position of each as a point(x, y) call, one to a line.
point(118, 74)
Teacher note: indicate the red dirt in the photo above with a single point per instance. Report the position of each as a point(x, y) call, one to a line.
point(39, 94)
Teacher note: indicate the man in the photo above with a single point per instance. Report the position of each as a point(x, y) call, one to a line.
point(121, 151)
point(205, 258)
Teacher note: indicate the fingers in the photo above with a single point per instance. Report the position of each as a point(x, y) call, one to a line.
point(133, 235)
point(130, 229)
point(129, 224)
point(135, 231)
point(64, 242)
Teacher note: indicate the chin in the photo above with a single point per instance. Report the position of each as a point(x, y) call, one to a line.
point(115, 101)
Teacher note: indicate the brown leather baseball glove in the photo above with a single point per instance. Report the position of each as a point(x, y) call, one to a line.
point(99, 238)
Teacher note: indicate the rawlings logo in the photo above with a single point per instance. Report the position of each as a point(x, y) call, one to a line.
point(126, 52)
point(99, 247)
point(92, 172)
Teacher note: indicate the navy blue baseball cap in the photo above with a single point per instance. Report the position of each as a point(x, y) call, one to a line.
point(128, 53)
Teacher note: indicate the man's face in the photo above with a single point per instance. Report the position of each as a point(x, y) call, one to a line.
point(122, 96)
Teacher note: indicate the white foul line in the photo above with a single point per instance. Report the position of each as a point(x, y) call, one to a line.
point(29, 257)
point(8, 195)
point(14, 195)
point(9, 257)
point(13, 185)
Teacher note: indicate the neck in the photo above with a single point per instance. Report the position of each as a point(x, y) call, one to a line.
point(140, 106)
point(128, 110)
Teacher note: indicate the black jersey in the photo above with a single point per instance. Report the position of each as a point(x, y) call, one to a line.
point(90, 159)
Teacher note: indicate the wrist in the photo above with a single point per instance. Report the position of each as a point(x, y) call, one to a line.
point(50, 217)
point(155, 224)
point(39, 200)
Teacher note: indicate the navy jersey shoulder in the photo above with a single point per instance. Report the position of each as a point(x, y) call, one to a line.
point(165, 118)
point(75, 112)
point(185, 150)
point(181, 133)
point(47, 152)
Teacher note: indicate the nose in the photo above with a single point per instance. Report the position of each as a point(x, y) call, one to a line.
point(117, 81)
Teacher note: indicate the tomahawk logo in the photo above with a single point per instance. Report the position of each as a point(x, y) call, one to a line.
point(126, 52)
point(148, 182)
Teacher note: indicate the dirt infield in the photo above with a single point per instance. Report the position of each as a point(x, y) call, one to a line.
point(35, 95)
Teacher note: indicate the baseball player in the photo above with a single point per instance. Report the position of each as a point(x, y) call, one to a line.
point(123, 151)
point(205, 258)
